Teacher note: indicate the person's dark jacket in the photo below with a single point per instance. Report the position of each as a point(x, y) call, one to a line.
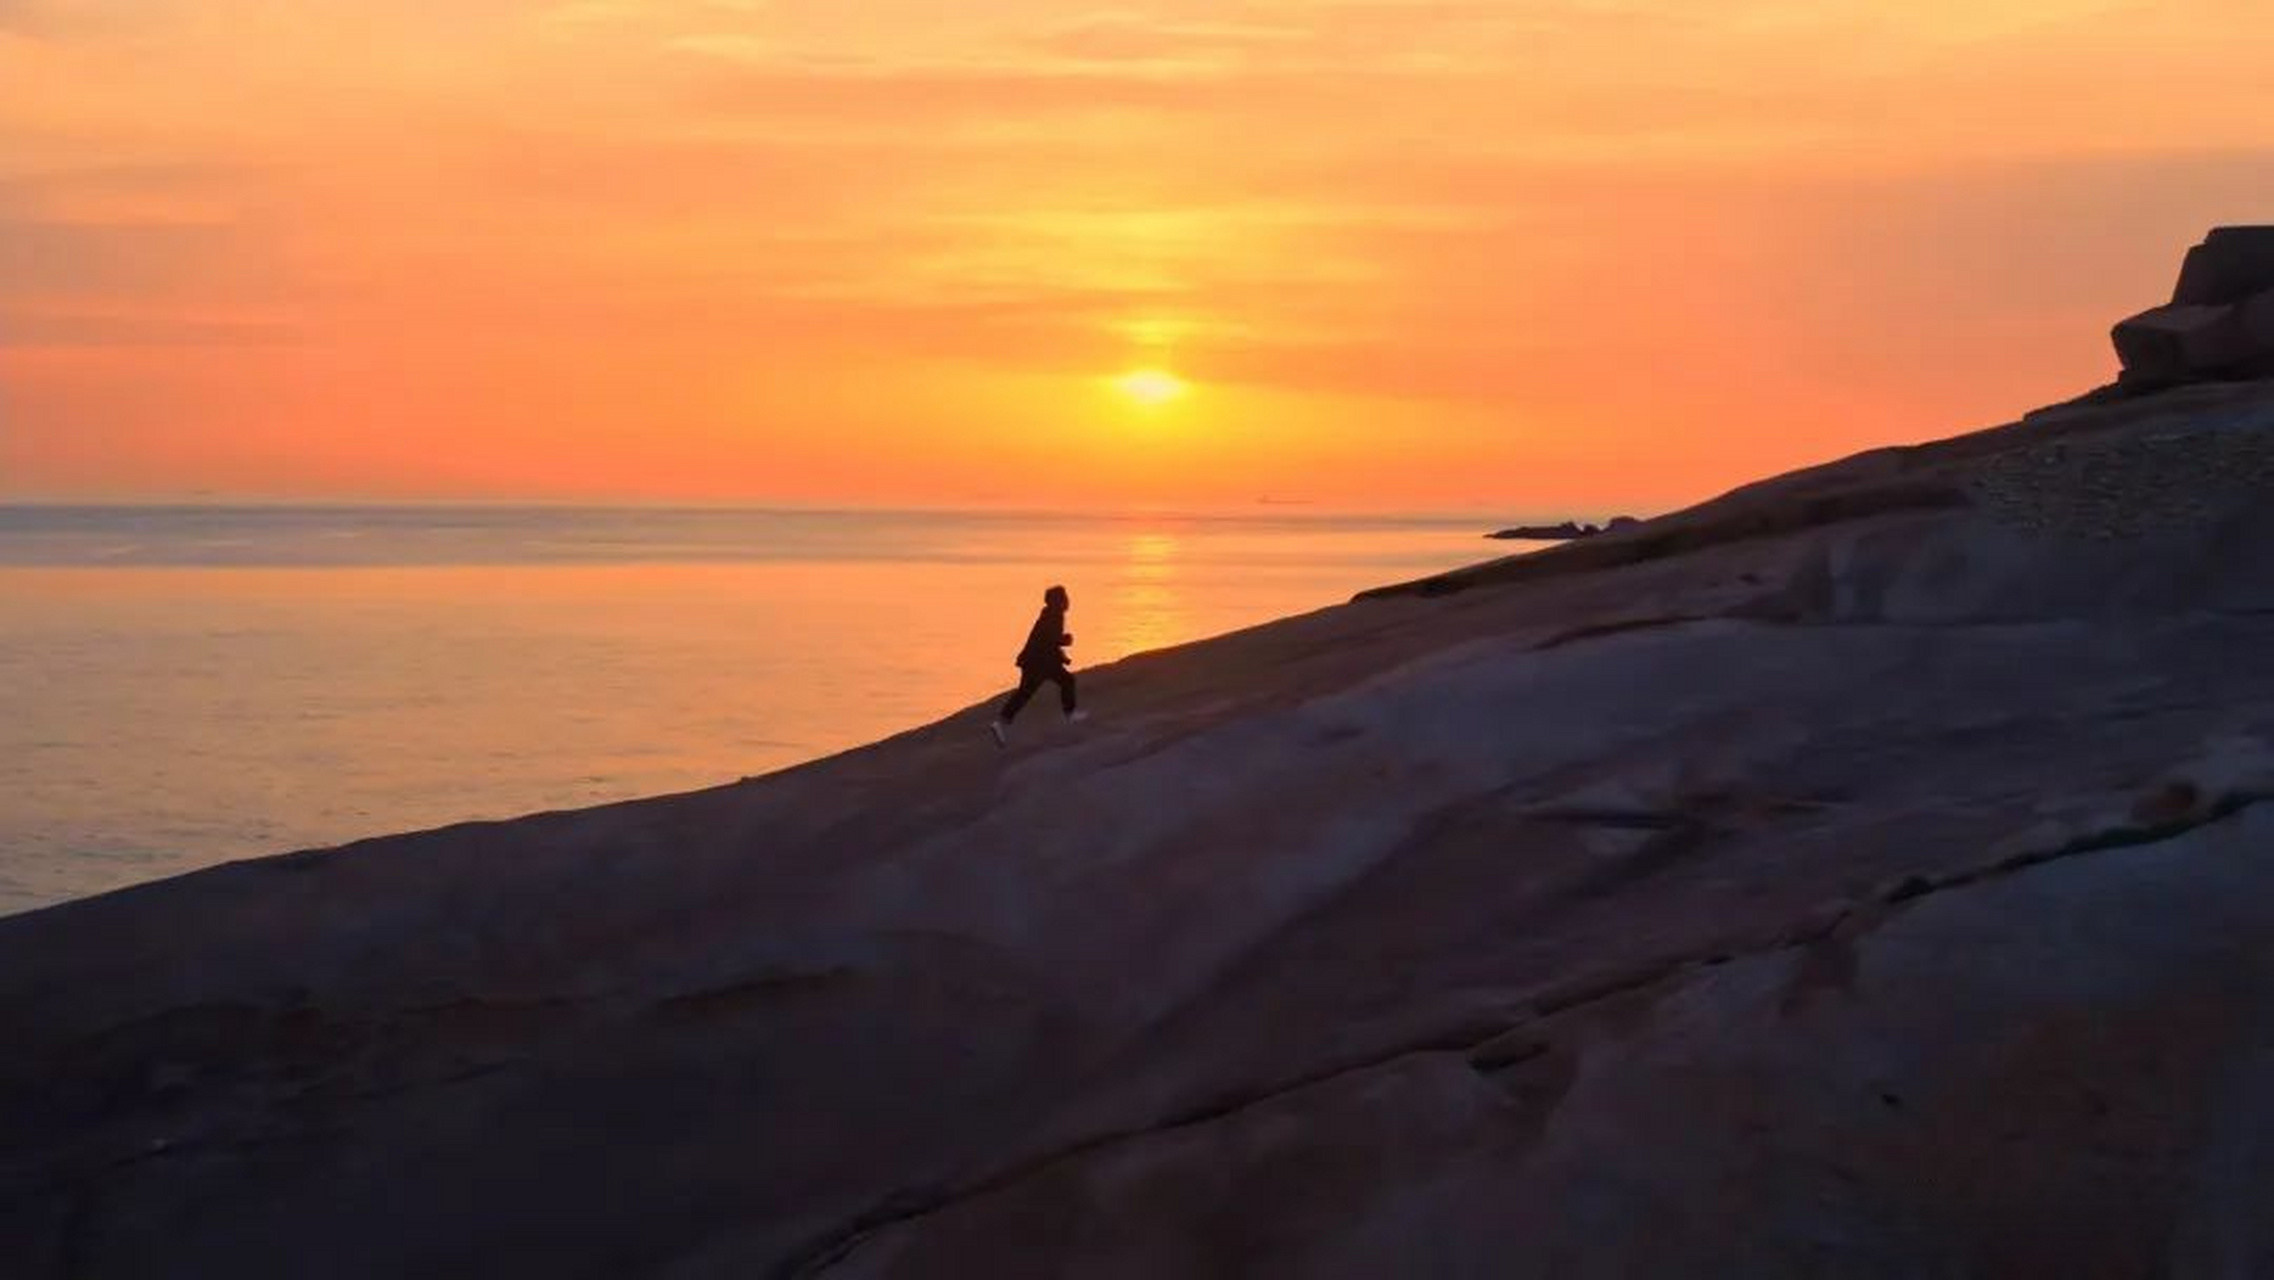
point(1046, 643)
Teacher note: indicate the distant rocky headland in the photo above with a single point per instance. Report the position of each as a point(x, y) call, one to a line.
point(1563, 532)
point(1868, 872)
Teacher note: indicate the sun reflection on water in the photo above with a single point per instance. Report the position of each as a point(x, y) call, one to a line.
point(1149, 607)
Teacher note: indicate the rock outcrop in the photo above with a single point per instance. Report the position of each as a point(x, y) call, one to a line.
point(1868, 873)
point(1564, 532)
point(2219, 322)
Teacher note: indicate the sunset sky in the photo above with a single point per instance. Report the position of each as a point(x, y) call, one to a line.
point(1525, 253)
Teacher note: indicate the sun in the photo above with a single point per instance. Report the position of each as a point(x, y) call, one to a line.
point(1151, 386)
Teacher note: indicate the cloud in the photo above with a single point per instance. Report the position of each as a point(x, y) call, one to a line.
point(34, 327)
point(148, 255)
point(1122, 36)
point(106, 259)
point(28, 17)
point(946, 92)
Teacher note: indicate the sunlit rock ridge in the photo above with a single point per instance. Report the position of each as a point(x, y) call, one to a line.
point(1867, 873)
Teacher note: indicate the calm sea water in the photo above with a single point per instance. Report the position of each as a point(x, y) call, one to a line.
point(184, 686)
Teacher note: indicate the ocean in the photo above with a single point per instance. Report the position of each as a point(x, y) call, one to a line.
point(181, 686)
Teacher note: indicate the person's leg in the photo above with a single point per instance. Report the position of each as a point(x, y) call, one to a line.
point(1029, 681)
point(1065, 681)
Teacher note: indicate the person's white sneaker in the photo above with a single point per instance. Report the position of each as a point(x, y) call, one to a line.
point(1077, 716)
point(1001, 733)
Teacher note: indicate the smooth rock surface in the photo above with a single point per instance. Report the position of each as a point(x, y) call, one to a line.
point(1869, 873)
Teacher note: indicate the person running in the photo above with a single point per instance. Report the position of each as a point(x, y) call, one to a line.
point(1042, 661)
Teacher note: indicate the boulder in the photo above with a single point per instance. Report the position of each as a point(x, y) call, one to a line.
point(2219, 323)
point(2181, 342)
point(2230, 265)
point(2257, 316)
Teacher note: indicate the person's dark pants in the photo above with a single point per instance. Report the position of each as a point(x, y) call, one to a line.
point(1032, 679)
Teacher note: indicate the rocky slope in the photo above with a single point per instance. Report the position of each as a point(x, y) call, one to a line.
point(1868, 873)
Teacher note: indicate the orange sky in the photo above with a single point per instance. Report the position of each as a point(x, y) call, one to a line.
point(1526, 253)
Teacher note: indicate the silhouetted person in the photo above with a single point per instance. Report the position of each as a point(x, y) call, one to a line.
point(1042, 661)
